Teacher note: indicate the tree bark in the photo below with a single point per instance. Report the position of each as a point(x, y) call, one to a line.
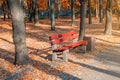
point(18, 27)
point(96, 9)
point(108, 25)
point(73, 12)
point(89, 8)
point(4, 8)
point(118, 9)
point(101, 10)
point(35, 9)
point(48, 9)
point(59, 8)
point(31, 12)
point(118, 15)
point(52, 3)
point(82, 19)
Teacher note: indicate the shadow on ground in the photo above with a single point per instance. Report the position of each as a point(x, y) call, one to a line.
point(97, 69)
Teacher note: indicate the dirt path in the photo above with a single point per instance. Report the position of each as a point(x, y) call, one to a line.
point(105, 66)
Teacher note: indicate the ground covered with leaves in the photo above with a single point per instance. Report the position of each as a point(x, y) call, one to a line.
point(40, 66)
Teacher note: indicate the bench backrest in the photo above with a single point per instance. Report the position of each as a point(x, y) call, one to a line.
point(55, 39)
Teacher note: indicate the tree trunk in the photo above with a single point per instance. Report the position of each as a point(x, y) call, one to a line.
point(73, 12)
point(118, 15)
point(104, 13)
point(4, 16)
point(96, 9)
point(4, 10)
point(117, 11)
point(31, 15)
point(90, 16)
point(108, 25)
point(36, 18)
point(48, 9)
point(18, 27)
point(8, 14)
point(59, 8)
point(52, 3)
point(31, 11)
point(101, 10)
point(82, 19)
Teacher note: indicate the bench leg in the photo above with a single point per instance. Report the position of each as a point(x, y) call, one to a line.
point(85, 48)
point(54, 57)
point(65, 55)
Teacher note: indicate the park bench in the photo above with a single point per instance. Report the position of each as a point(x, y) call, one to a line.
point(63, 43)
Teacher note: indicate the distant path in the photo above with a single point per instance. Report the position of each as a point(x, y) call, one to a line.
point(105, 66)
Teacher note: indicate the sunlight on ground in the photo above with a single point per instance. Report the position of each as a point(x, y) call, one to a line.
point(39, 49)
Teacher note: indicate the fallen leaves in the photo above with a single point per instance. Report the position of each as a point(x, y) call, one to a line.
point(40, 51)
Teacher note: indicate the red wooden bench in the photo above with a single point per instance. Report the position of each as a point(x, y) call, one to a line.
point(64, 42)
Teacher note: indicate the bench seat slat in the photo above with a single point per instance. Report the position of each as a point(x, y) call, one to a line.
point(73, 45)
point(68, 38)
point(62, 35)
point(61, 49)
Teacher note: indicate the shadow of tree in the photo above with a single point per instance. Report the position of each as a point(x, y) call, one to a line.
point(116, 34)
point(45, 51)
point(7, 55)
point(38, 36)
point(4, 73)
point(49, 70)
point(98, 69)
point(53, 71)
point(110, 55)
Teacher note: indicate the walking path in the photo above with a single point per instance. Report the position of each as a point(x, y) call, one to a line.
point(104, 66)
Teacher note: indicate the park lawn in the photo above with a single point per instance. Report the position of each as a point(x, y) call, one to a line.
point(39, 48)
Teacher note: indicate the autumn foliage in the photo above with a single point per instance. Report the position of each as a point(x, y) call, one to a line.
point(65, 4)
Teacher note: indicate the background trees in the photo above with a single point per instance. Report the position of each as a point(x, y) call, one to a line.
point(97, 7)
